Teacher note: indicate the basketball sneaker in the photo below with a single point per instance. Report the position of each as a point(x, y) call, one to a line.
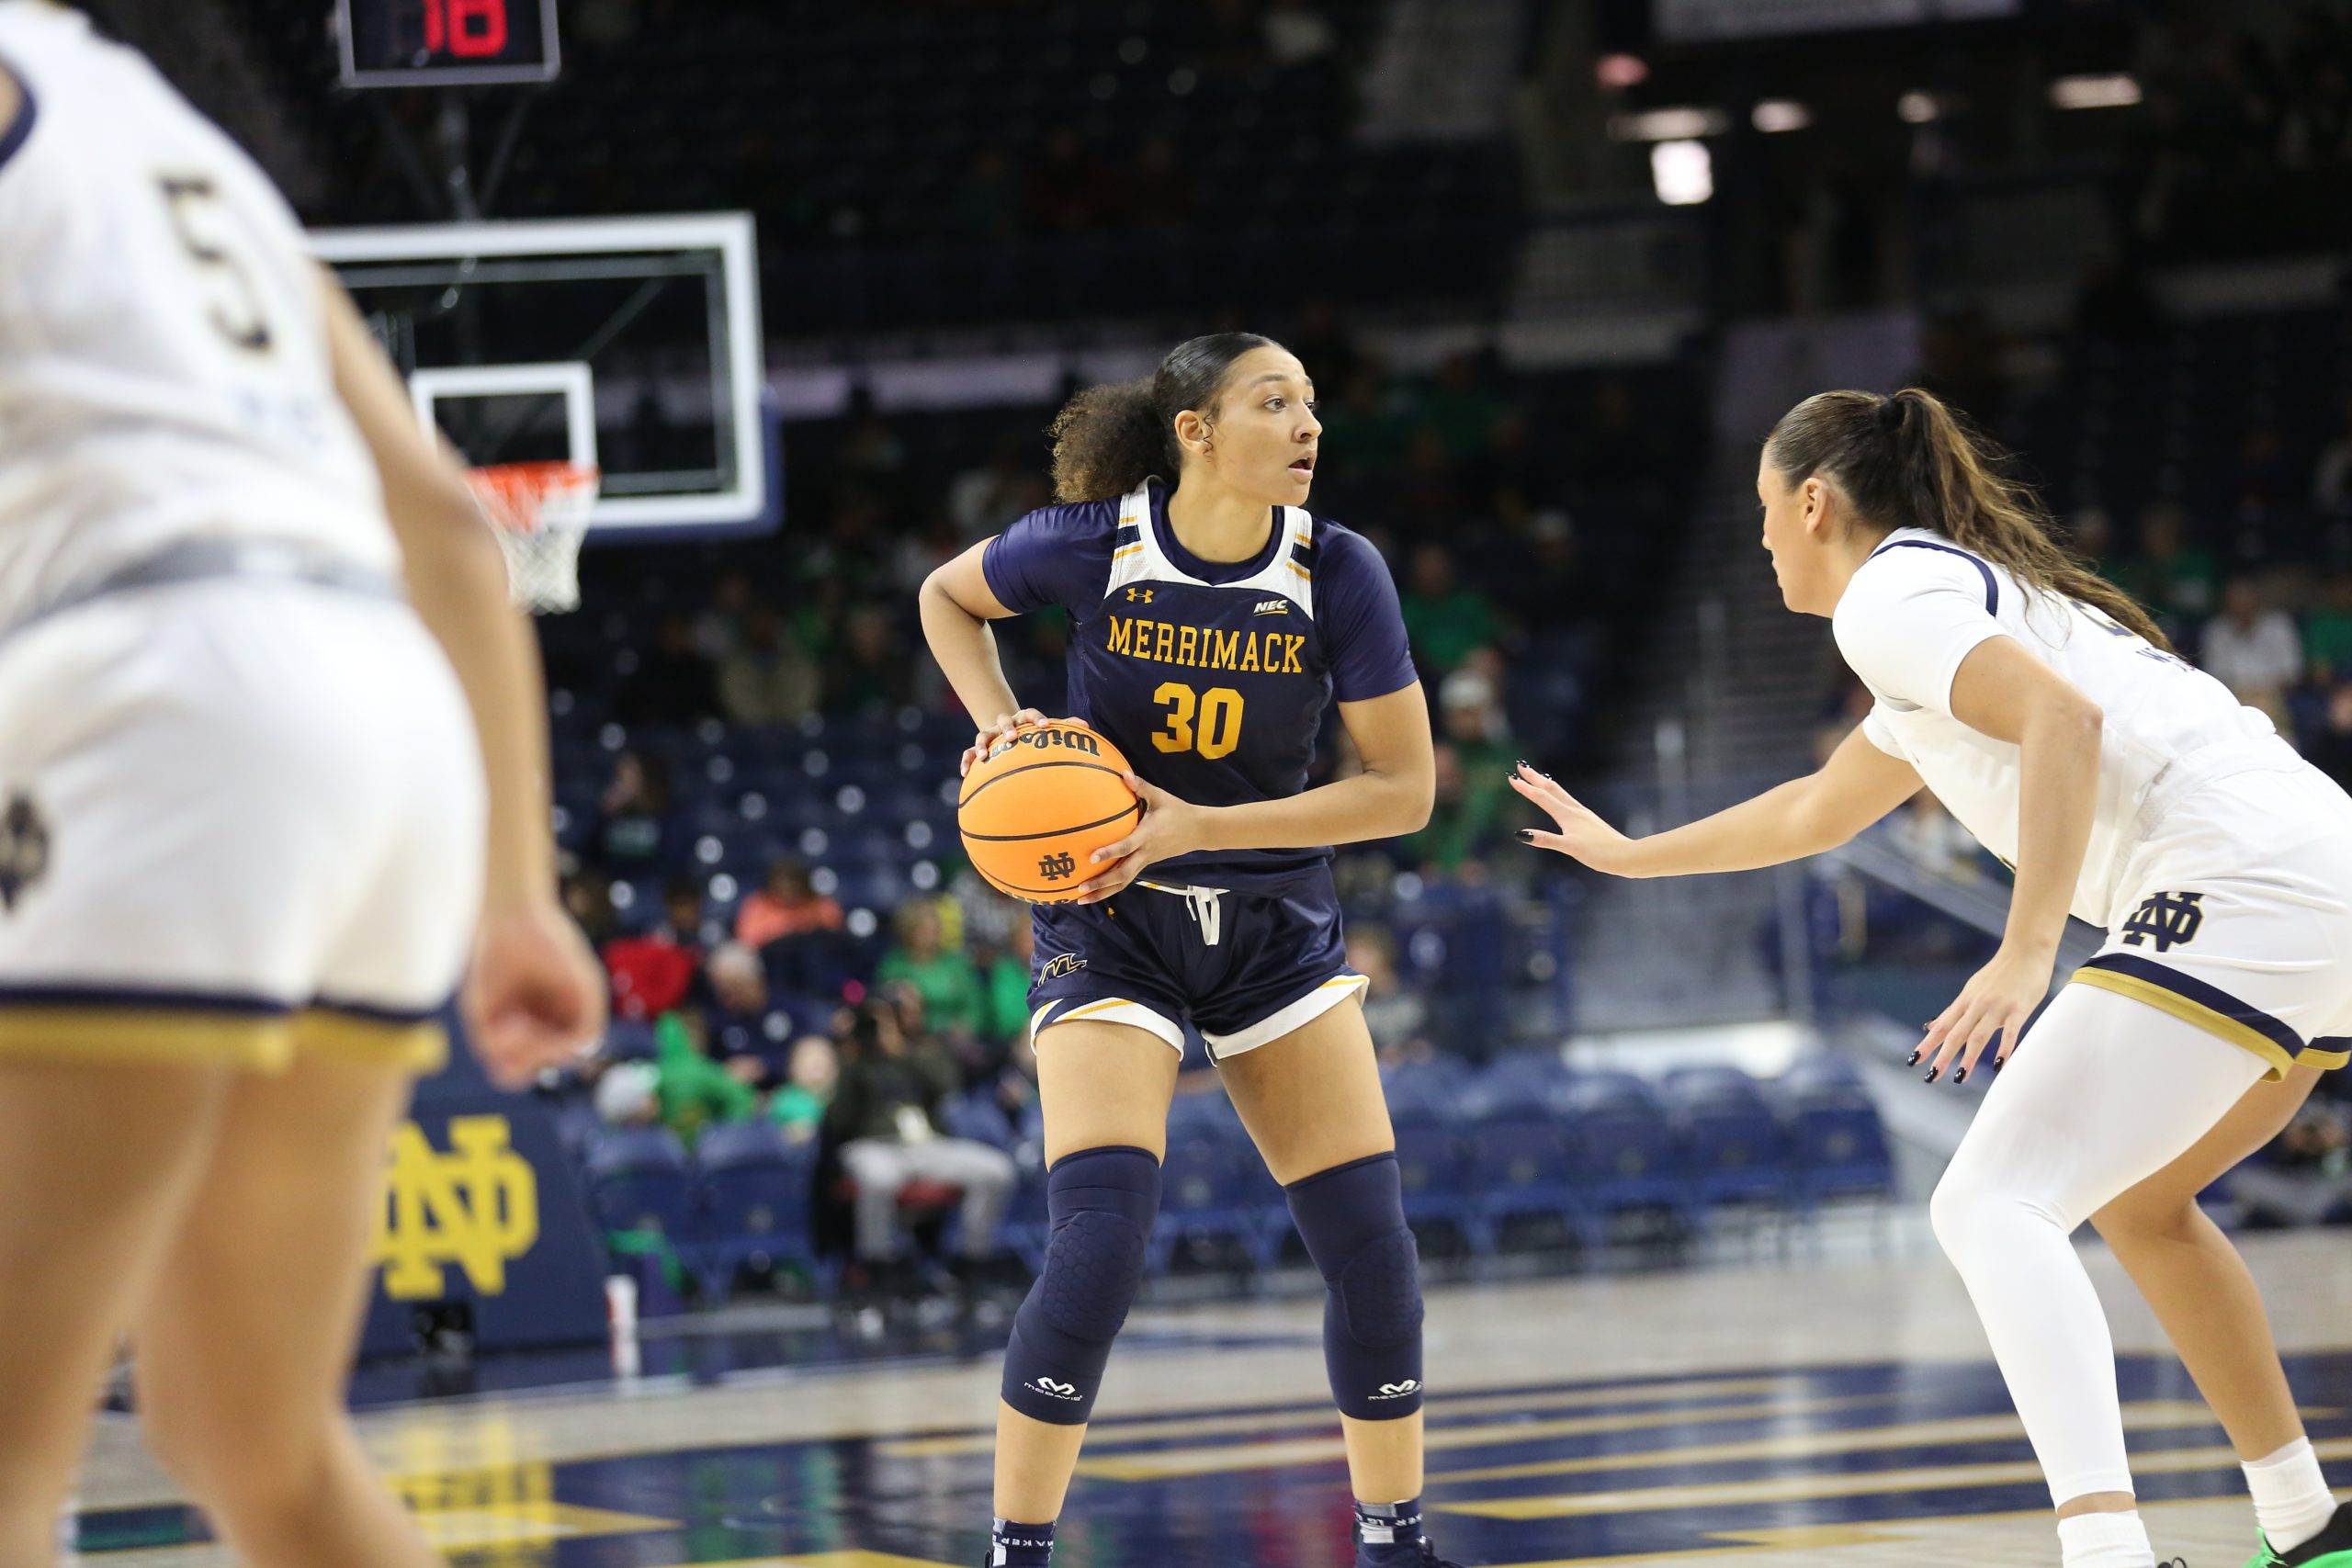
point(2332, 1548)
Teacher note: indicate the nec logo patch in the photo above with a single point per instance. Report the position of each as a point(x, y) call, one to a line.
point(1274, 607)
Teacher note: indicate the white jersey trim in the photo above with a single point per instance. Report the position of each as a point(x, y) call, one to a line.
point(1144, 558)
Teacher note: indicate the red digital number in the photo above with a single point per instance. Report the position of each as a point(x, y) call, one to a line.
point(470, 29)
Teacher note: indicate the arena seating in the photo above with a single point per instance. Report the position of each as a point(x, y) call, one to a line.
point(1478, 1162)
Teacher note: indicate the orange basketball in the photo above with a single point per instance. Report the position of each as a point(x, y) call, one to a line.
point(1037, 806)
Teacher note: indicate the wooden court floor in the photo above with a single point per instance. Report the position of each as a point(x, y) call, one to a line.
point(1803, 1415)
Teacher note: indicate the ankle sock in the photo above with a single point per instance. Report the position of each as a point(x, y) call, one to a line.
point(1021, 1546)
point(1388, 1535)
point(2291, 1501)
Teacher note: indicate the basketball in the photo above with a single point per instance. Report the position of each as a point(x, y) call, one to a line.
point(1035, 808)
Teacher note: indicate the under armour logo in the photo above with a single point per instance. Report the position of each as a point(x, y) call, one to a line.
point(1398, 1390)
point(1057, 867)
point(2169, 920)
point(24, 848)
point(1138, 595)
point(1057, 1389)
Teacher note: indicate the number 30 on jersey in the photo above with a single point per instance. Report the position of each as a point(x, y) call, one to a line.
point(1207, 722)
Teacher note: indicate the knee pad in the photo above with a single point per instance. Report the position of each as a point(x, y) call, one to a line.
point(1101, 1203)
point(1352, 1218)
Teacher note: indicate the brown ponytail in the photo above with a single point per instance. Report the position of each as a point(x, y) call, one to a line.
point(1109, 439)
point(1908, 461)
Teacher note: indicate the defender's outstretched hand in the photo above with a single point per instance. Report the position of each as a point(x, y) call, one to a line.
point(1582, 835)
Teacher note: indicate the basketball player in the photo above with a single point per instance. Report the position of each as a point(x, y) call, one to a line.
point(1212, 619)
point(244, 844)
point(2045, 711)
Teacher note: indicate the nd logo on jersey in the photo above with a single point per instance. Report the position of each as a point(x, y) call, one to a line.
point(476, 1206)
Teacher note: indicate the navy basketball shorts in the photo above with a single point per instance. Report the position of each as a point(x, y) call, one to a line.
point(1243, 968)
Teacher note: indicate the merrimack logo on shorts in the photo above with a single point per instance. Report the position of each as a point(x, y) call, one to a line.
point(2168, 919)
point(24, 848)
point(1063, 1390)
point(477, 1206)
point(1398, 1390)
point(1061, 965)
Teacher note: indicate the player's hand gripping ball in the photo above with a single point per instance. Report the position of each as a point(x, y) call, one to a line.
point(1039, 803)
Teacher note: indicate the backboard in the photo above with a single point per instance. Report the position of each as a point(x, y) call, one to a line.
point(630, 343)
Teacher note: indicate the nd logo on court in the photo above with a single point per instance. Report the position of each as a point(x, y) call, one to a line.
point(476, 1206)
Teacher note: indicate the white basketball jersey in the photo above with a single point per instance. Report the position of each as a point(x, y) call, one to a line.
point(163, 367)
point(1921, 604)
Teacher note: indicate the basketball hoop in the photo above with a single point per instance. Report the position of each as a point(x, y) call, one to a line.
point(541, 513)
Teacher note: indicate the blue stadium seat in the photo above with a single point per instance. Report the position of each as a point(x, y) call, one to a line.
point(1028, 1229)
point(1824, 1070)
point(1841, 1151)
point(1737, 1154)
point(1521, 1163)
point(640, 1179)
point(1208, 1194)
point(978, 1117)
point(1627, 1158)
point(756, 1188)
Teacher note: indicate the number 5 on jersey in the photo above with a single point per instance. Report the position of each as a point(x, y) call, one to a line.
point(1218, 710)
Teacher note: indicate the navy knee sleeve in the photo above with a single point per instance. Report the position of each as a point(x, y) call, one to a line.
point(1352, 1218)
point(1102, 1203)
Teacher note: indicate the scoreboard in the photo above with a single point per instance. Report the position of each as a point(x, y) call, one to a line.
point(435, 43)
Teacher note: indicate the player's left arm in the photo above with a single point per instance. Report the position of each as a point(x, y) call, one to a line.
point(2003, 692)
point(1390, 797)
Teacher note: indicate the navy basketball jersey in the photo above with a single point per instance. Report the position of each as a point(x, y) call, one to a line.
point(1213, 677)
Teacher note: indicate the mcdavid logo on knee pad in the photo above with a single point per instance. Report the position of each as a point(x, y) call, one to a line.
point(1398, 1390)
point(1052, 1390)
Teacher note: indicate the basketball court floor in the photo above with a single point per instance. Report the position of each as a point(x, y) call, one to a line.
point(1813, 1413)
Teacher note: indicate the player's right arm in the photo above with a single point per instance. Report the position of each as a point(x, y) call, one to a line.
point(1857, 785)
point(957, 605)
point(535, 995)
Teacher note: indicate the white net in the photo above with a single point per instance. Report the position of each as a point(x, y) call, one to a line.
point(541, 511)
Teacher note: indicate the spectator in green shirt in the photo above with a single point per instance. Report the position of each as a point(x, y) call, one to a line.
point(1008, 981)
point(694, 1091)
point(800, 1106)
point(1445, 620)
point(953, 1001)
point(2328, 632)
point(1473, 760)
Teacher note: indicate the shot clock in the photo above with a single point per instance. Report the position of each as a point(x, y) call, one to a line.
point(435, 43)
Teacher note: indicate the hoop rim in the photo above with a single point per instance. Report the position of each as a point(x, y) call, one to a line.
point(516, 495)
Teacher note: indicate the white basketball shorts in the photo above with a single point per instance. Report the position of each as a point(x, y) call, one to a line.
point(238, 819)
point(2239, 917)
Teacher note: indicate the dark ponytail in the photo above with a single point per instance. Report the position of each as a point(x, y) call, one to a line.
point(1908, 461)
point(1109, 439)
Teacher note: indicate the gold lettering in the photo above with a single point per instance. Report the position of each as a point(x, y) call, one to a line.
point(1249, 651)
point(1228, 650)
point(1290, 666)
point(1188, 640)
point(1164, 641)
point(1122, 635)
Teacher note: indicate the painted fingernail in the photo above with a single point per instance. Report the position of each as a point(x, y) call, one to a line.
point(1961, 1077)
point(1934, 1073)
point(1525, 766)
point(1526, 835)
point(1912, 1060)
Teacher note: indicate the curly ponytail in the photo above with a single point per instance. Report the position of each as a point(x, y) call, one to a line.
point(1909, 461)
point(1109, 439)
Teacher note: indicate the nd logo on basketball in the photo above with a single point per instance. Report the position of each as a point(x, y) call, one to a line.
point(476, 1206)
